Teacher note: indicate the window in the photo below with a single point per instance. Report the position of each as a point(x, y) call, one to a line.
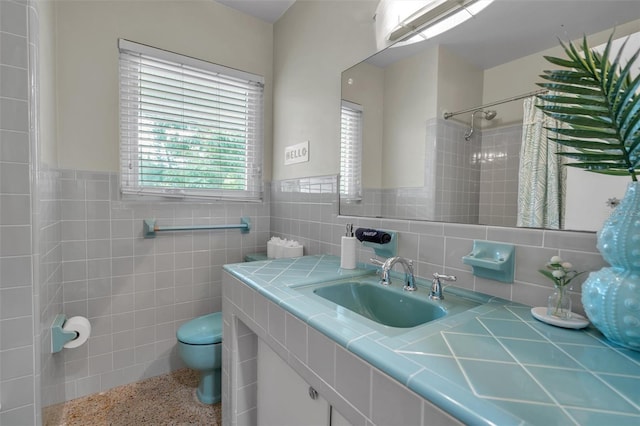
point(351, 152)
point(188, 128)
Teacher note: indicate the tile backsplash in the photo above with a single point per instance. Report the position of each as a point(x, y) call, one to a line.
point(435, 246)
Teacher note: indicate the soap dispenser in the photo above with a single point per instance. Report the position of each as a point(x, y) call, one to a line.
point(348, 249)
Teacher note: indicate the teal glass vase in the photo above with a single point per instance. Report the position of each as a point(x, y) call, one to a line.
point(611, 296)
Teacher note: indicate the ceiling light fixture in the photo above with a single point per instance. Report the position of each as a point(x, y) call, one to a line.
point(411, 21)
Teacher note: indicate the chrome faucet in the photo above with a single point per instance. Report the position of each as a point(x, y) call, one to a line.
point(385, 278)
point(436, 285)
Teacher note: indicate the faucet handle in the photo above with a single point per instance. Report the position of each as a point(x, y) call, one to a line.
point(376, 261)
point(385, 279)
point(438, 276)
point(436, 286)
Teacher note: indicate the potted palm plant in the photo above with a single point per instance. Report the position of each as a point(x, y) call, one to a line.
point(597, 99)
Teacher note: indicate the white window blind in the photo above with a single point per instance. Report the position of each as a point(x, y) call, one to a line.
point(188, 128)
point(351, 152)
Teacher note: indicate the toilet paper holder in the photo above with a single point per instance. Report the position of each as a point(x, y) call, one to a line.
point(59, 336)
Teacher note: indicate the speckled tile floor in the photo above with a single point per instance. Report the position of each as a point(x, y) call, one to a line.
point(164, 400)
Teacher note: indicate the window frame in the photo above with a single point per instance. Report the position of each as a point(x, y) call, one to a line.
point(351, 186)
point(131, 103)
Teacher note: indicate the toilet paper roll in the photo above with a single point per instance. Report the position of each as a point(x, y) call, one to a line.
point(81, 326)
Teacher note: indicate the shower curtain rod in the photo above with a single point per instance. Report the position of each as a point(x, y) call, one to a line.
point(448, 115)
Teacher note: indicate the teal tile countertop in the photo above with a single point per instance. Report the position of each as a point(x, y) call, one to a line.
point(493, 364)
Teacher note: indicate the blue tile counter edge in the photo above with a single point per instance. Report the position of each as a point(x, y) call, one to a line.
point(493, 364)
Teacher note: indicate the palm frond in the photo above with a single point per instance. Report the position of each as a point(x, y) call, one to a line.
point(616, 82)
point(559, 61)
point(630, 109)
point(585, 144)
point(587, 110)
point(571, 100)
point(609, 172)
point(599, 167)
point(589, 157)
point(573, 89)
point(585, 133)
point(599, 103)
point(584, 120)
point(608, 72)
point(570, 77)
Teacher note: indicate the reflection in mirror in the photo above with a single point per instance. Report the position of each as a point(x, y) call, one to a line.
point(418, 165)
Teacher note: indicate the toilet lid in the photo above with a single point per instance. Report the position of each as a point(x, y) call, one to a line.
point(204, 330)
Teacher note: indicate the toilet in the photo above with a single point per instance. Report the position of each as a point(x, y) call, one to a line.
point(200, 347)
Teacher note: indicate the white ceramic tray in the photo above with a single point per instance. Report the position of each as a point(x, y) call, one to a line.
point(576, 320)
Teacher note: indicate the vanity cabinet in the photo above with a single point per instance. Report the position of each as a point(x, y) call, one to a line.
point(271, 357)
point(283, 397)
point(441, 374)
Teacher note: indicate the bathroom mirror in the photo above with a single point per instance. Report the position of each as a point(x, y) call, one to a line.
point(418, 165)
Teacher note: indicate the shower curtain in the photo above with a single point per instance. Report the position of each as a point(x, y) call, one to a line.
point(542, 178)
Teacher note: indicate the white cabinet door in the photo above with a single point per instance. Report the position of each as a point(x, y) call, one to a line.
point(283, 397)
point(337, 419)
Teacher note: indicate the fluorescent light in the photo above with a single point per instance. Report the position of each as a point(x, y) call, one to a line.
point(442, 26)
point(435, 18)
point(423, 16)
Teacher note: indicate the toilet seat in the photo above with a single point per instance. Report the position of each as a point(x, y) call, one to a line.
point(204, 330)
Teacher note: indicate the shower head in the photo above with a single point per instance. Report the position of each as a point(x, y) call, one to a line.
point(488, 115)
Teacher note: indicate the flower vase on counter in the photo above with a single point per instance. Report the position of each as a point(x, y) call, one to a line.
point(561, 273)
point(558, 309)
point(560, 303)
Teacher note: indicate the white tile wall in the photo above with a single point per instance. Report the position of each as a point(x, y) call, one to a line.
point(136, 292)
point(500, 161)
point(19, 321)
point(457, 173)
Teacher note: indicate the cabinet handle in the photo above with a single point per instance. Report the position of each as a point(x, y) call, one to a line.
point(313, 394)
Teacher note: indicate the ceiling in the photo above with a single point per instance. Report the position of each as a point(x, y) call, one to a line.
point(266, 10)
point(511, 29)
point(506, 30)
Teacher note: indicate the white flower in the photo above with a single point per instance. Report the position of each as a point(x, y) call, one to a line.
point(561, 272)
